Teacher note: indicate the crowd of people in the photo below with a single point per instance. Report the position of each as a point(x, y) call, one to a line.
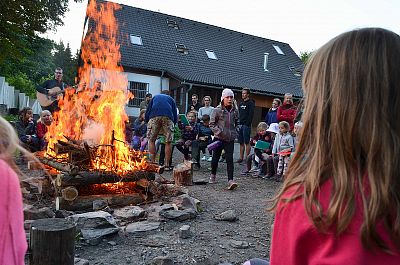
point(339, 202)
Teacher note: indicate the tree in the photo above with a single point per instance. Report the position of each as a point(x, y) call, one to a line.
point(63, 58)
point(305, 56)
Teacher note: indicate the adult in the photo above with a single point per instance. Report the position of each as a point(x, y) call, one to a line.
point(340, 202)
point(12, 234)
point(271, 116)
point(223, 123)
point(287, 112)
point(26, 130)
point(246, 113)
point(207, 109)
point(42, 127)
point(50, 89)
point(146, 101)
point(161, 116)
point(195, 104)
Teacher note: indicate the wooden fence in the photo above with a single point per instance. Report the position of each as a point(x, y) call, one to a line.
point(12, 101)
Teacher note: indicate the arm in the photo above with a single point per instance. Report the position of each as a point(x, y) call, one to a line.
point(251, 114)
point(43, 88)
point(214, 122)
point(175, 114)
point(148, 110)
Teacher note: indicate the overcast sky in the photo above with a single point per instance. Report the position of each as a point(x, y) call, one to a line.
point(304, 24)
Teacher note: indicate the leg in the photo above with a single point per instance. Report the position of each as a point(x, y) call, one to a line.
point(241, 152)
point(241, 142)
point(168, 152)
point(152, 150)
point(162, 155)
point(215, 158)
point(246, 138)
point(196, 151)
point(229, 147)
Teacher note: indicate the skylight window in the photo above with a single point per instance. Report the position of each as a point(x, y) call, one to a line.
point(295, 71)
point(137, 40)
point(181, 48)
point(172, 24)
point(278, 49)
point(211, 55)
point(266, 61)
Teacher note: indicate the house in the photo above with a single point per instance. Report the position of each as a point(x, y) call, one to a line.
point(160, 51)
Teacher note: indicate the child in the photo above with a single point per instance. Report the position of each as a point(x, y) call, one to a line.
point(203, 139)
point(283, 146)
point(188, 134)
point(139, 140)
point(26, 130)
point(340, 202)
point(42, 127)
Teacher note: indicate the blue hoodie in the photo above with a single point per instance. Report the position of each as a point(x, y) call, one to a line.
point(162, 105)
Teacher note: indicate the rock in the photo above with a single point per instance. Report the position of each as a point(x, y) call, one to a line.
point(141, 227)
point(112, 243)
point(36, 185)
point(79, 261)
point(94, 233)
point(153, 212)
point(162, 261)
point(99, 205)
point(229, 216)
point(179, 215)
point(63, 213)
point(129, 213)
point(32, 213)
point(93, 220)
point(184, 201)
point(184, 232)
point(238, 244)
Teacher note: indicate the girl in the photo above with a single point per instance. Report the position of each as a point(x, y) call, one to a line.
point(283, 146)
point(207, 109)
point(42, 127)
point(139, 140)
point(189, 133)
point(223, 122)
point(340, 202)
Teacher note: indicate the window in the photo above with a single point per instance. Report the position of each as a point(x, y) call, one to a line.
point(181, 48)
point(278, 49)
point(295, 71)
point(137, 40)
point(172, 24)
point(266, 61)
point(139, 91)
point(211, 55)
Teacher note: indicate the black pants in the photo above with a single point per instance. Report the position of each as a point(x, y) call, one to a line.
point(196, 147)
point(162, 154)
point(228, 147)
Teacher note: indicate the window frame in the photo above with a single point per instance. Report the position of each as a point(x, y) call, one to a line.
point(208, 52)
point(137, 37)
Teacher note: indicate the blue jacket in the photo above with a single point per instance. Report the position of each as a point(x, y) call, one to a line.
point(162, 105)
point(139, 128)
point(271, 117)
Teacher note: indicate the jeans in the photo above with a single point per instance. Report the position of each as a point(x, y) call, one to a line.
point(196, 147)
point(228, 147)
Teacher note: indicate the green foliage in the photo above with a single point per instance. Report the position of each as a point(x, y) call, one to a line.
point(63, 58)
point(22, 82)
point(11, 117)
point(305, 56)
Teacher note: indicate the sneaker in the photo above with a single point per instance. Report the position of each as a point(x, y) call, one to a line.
point(232, 185)
point(204, 158)
point(239, 161)
point(213, 179)
point(253, 169)
point(209, 159)
point(245, 172)
point(222, 160)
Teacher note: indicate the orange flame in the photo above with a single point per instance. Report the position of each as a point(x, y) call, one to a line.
point(86, 114)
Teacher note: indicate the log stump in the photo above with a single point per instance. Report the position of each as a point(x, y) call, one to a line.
point(52, 242)
point(183, 174)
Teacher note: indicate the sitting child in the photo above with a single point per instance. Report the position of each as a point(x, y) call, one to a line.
point(283, 146)
point(203, 139)
point(26, 130)
point(139, 140)
point(189, 133)
point(42, 127)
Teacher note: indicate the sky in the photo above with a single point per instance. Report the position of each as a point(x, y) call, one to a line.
point(305, 25)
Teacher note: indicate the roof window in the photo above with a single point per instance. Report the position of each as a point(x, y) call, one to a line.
point(137, 40)
point(266, 61)
point(278, 49)
point(211, 55)
point(172, 24)
point(295, 71)
point(181, 48)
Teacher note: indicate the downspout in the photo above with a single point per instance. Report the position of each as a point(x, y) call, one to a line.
point(187, 96)
point(161, 78)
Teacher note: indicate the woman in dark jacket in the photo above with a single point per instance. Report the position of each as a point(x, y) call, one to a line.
point(223, 122)
point(271, 116)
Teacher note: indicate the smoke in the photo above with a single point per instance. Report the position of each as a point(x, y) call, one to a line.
point(93, 132)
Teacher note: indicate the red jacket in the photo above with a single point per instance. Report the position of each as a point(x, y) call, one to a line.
point(296, 241)
point(287, 112)
point(41, 130)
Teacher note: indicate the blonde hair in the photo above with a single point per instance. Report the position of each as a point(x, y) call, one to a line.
point(285, 124)
point(262, 126)
point(351, 135)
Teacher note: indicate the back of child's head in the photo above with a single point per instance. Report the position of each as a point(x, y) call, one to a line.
point(205, 118)
point(351, 133)
point(262, 126)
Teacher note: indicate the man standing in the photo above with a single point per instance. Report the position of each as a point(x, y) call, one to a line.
point(195, 104)
point(287, 112)
point(246, 112)
point(48, 91)
point(161, 115)
point(145, 102)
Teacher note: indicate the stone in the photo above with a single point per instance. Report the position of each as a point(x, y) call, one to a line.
point(99, 205)
point(112, 243)
point(141, 227)
point(32, 213)
point(229, 216)
point(153, 212)
point(129, 213)
point(37, 185)
point(164, 260)
point(93, 220)
point(79, 261)
point(238, 244)
point(184, 232)
point(63, 213)
point(184, 201)
point(179, 215)
point(94, 233)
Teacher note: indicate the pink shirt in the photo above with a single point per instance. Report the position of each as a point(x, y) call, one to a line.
point(296, 241)
point(13, 243)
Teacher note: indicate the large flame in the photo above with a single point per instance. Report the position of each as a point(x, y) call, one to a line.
point(98, 118)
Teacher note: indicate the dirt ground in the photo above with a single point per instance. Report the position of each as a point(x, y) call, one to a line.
point(212, 241)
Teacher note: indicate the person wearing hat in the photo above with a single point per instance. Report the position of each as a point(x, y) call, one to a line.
point(272, 162)
point(223, 122)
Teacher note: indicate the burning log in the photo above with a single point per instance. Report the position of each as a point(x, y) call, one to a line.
point(85, 178)
point(86, 202)
point(68, 168)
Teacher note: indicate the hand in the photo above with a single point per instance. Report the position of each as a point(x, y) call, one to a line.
point(189, 128)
